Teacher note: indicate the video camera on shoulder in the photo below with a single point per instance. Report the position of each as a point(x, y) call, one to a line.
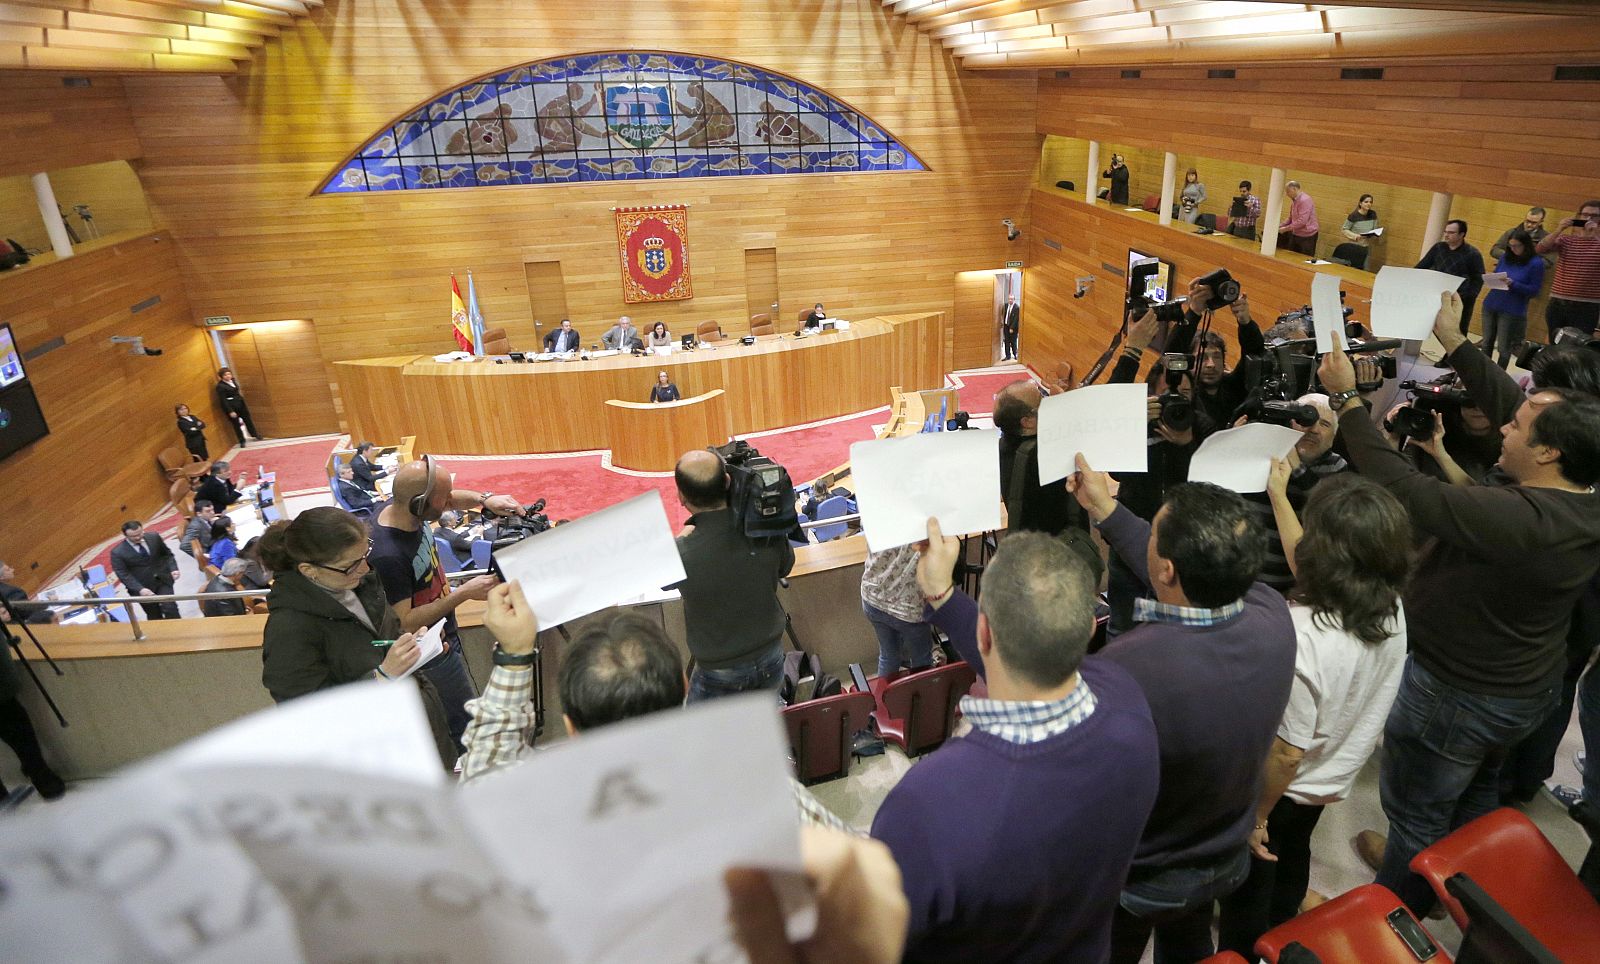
point(1415, 420)
point(760, 492)
point(1274, 381)
point(1565, 336)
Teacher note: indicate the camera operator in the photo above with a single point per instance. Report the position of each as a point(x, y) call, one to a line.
point(730, 590)
point(1221, 390)
point(1487, 611)
point(1461, 448)
point(1029, 506)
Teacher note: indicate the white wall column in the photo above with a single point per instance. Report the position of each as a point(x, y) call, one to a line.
point(1091, 180)
point(1272, 213)
point(1438, 214)
point(53, 225)
point(1169, 174)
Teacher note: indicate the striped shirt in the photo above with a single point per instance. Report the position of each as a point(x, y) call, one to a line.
point(1578, 271)
point(1030, 721)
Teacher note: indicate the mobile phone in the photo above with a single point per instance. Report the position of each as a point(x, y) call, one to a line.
point(1416, 939)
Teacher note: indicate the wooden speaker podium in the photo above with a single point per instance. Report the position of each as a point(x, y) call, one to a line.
point(651, 436)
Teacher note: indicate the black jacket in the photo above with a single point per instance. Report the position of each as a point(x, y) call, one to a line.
point(136, 572)
point(232, 398)
point(367, 474)
point(218, 491)
point(192, 428)
point(730, 598)
point(222, 607)
point(354, 495)
point(312, 643)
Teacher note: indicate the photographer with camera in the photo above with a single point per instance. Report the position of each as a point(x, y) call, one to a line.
point(730, 591)
point(1444, 434)
point(406, 559)
point(1488, 609)
point(1575, 293)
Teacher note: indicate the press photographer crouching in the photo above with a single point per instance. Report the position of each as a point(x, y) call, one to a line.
point(1443, 432)
point(1489, 607)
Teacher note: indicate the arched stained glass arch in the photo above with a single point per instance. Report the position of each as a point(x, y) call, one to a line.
point(620, 116)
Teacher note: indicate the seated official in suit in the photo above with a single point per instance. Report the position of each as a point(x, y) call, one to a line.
point(196, 538)
point(218, 488)
point(230, 579)
point(664, 390)
point(659, 336)
point(564, 339)
point(354, 495)
point(366, 472)
point(13, 593)
point(814, 320)
point(621, 336)
point(146, 567)
point(459, 536)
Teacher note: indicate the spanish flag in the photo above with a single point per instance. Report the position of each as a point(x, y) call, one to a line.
point(459, 325)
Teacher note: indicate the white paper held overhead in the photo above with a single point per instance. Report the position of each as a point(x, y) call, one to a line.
point(1327, 312)
point(901, 482)
point(1405, 300)
point(1107, 423)
point(600, 560)
point(1240, 458)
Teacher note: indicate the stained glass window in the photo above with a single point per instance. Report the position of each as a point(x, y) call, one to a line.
point(620, 116)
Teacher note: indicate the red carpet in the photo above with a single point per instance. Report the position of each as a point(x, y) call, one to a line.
point(300, 465)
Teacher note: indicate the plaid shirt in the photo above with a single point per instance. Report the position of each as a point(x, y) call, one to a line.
point(502, 719)
point(1030, 721)
point(1150, 611)
point(1252, 206)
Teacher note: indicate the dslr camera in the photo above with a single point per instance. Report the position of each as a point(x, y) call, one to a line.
point(1415, 420)
point(1224, 290)
point(1177, 412)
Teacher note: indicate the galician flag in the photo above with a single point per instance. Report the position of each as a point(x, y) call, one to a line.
point(459, 324)
point(474, 316)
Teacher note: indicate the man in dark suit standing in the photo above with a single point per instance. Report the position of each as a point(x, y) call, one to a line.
point(146, 567)
point(563, 339)
point(232, 399)
point(1010, 324)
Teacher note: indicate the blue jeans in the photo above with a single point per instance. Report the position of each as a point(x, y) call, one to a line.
point(765, 672)
point(1442, 751)
point(449, 676)
point(1175, 902)
point(899, 641)
point(1502, 333)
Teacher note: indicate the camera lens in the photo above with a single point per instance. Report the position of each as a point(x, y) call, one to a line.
point(1176, 412)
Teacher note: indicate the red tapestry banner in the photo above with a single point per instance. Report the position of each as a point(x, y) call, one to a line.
point(654, 244)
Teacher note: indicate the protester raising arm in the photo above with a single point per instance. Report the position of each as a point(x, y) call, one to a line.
point(1289, 531)
point(1494, 391)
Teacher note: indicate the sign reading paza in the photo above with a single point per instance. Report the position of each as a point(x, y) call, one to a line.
point(654, 245)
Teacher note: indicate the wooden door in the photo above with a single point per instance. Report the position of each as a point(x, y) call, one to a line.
point(279, 367)
point(760, 289)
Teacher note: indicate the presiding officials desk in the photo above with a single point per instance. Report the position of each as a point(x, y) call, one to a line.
point(480, 407)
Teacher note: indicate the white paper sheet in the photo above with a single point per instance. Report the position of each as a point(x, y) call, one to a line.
point(375, 727)
point(600, 560)
point(1405, 300)
point(1239, 458)
point(901, 482)
point(1107, 423)
point(245, 859)
point(429, 645)
point(1327, 312)
point(1497, 281)
point(1374, 233)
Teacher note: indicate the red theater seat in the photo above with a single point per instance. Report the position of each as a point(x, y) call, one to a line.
point(821, 734)
point(918, 711)
point(1351, 927)
point(1507, 856)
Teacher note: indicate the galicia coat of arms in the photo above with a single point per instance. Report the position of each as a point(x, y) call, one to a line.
point(655, 258)
point(639, 115)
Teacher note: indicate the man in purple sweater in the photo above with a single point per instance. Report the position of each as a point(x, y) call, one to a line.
point(1214, 654)
point(1013, 841)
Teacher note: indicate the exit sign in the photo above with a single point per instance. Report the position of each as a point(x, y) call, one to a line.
point(1013, 264)
point(212, 321)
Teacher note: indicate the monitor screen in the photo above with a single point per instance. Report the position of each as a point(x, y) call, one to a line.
point(11, 370)
point(1158, 286)
point(21, 422)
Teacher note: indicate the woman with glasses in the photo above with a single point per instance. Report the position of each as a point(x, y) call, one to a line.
point(328, 620)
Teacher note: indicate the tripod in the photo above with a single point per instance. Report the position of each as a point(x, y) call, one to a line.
point(8, 637)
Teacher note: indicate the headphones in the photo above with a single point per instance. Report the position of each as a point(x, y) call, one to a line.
point(419, 503)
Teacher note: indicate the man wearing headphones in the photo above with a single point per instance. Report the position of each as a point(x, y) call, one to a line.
point(405, 558)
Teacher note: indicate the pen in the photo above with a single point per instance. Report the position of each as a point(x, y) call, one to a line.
point(383, 642)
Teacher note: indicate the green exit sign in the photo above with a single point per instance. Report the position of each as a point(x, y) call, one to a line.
point(1013, 264)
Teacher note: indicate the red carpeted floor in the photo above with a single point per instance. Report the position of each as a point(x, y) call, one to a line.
point(300, 465)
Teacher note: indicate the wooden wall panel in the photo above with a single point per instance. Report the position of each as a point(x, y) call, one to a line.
point(280, 369)
point(45, 125)
point(109, 412)
point(1072, 239)
point(232, 162)
point(761, 290)
point(547, 298)
point(1475, 128)
point(977, 330)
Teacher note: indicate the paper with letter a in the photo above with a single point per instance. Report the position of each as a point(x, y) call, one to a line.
point(1240, 458)
point(600, 560)
point(1404, 301)
point(1107, 423)
point(1327, 312)
point(901, 482)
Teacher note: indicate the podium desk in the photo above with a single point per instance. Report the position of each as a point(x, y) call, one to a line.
point(480, 407)
point(650, 436)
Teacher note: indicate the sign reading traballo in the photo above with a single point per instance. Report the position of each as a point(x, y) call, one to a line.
point(654, 246)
